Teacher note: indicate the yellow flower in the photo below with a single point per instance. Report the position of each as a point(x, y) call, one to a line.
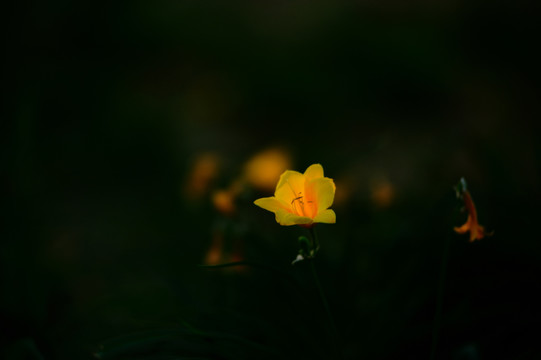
point(302, 199)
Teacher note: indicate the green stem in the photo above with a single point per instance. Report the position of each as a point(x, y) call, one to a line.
point(439, 301)
point(315, 241)
point(323, 298)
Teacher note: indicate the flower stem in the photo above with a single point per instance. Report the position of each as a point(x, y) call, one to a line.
point(439, 301)
point(323, 298)
point(315, 241)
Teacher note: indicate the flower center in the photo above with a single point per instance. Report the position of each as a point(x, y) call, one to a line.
point(298, 204)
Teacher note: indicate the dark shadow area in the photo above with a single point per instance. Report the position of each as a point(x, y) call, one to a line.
point(138, 134)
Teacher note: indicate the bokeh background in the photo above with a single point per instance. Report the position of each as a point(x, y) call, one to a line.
point(138, 135)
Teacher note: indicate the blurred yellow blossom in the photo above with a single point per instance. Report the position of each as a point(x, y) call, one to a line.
point(302, 199)
point(263, 169)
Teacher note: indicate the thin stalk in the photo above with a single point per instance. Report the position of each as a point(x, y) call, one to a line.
point(439, 301)
point(315, 240)
point(323, 298)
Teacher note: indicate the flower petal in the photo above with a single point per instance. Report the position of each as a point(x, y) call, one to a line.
point(464, 228)
point(327, 216)
point(285, 177)
point(290, 186)
point(477, 233)
point(323, 192)
point(270, 204)
point(284, 217)
point(313, 172)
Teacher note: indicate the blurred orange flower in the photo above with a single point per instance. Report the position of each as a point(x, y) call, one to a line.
point(215, 252)
point(302, 199)
point(477, 231)
point(202, 174)
point(263, 169)
point(382, 192)
point(224, 200)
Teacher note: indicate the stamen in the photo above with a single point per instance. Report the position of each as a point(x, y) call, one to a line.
point(297, 197)
point(301, 204)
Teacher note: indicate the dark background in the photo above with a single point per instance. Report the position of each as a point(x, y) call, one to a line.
point(109, 106)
